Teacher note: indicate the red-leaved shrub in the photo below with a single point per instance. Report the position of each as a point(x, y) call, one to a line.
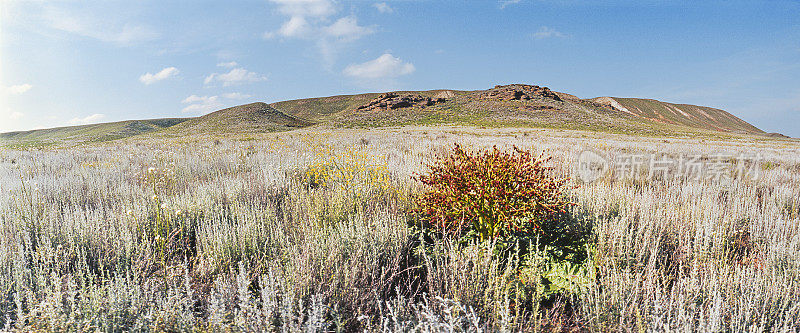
point(490, 193)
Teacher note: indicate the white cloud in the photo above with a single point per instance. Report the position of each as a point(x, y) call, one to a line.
point(206, 104)
point(226, 54)
point(88, 119)
point(385, 66)
point(236, 95)
point(546, 32)
point(195, 98)
point(18, 89)
point(235, 76)
point(297, 26)
point(383, 7)
point(505, 3)
point(16, 115)
point(201, 104)
point(309, 8)
point(105, 29)
point(310, 20)
point(165, 73)
point(346, 28)
point(8, 119)
point(227, 64)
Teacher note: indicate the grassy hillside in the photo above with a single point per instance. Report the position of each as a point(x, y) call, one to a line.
point(681, 114)
point(469, 108)
point(86, 133)
point(321, 109)
point(254, 117)
point(648, 117)
point(514, 105)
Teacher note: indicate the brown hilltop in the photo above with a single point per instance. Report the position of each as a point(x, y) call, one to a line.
point(511, 92)
point(391, 101)
point(519, 92)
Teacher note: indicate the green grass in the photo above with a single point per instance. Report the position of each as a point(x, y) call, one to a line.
point(85, 133)
point(323, 109)
point(254, 117)
point(465, 108)
point(693, 116)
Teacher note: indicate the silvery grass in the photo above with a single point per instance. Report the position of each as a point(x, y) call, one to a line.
point(267, 252)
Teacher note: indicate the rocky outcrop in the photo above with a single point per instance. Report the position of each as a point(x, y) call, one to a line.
point(391, 101)
point(445, 94)
point(537, 107)
point(519, 92)
point(610, 103)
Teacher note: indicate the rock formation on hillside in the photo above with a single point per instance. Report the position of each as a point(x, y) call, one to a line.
point(777, 135)
point(518, 92)
point(537, 107)
point(445, 94)
point(610, 103)
point(391, 101)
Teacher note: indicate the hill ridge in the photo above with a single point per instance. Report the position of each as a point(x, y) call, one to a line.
point(520, 105)
point(680, 114)
point(257, 116)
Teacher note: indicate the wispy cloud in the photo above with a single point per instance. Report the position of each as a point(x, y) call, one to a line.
point(201, 104)
point(234, 76)
point(310, 20)
point(383, 7)
point(300, 12)
point(506, 3)
point(10, 114)
point(385, 66)
point(346, 28)
point(307, 8)
point(8, 118)
point(236, 95)
point(102, 29)
point(88, 119)
point(227, 64)
point(205, 104)
point(547, 32)
point(296, 27)
point(149, 78)
point(18, 89)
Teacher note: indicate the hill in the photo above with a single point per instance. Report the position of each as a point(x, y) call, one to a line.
point(254, 117)
point(680, 114)
point(518, 105)
point(322, 109)
point(86, 133)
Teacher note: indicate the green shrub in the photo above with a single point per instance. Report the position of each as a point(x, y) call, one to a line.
point(512, 203)
point(490, 194)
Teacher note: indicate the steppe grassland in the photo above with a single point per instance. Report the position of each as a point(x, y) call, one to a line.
point(311, 228)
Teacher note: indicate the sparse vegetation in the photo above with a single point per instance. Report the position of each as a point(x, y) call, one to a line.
point(483, 108)
point(490, 194)
point(307, 230)
point(84, 133)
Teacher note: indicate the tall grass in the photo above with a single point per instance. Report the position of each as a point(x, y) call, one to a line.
point(309, 231)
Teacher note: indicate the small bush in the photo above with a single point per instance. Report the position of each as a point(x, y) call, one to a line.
point(490, 194)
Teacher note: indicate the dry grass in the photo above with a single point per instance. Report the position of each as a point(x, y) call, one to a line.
point(308, 231)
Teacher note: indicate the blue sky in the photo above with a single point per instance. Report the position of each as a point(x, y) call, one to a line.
point(64, 63)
